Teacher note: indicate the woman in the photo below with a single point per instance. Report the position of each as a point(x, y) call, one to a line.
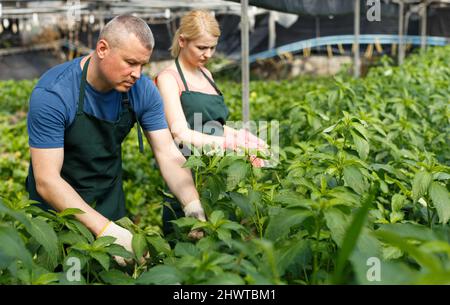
point(191, 98)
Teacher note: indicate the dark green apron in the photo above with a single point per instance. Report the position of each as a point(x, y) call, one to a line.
point(93, 157)
point(214, 113)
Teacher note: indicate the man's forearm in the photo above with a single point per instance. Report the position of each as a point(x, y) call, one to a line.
point(178, 179)
point(60, 195)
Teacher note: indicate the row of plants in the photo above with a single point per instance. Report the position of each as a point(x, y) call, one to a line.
point(359, 195)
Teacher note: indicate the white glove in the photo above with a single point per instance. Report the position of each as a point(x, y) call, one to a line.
point(194, 209)
point(123, 238)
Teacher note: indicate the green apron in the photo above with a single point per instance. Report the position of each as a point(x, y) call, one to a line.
point(93, 158)
point(214, 113)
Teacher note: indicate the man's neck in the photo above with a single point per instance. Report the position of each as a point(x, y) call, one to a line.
point(93, 76)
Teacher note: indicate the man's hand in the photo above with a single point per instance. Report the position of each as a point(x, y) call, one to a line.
point(195, 209)
point(123, 238)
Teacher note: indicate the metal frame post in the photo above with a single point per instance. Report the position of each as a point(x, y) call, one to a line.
point(245, 62)
point(356, 58)
point(423, 25)
point(401, 44)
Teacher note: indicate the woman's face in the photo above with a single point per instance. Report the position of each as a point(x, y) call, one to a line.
point(197, 52)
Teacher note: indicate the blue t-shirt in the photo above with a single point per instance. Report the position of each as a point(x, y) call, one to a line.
point(54, 102)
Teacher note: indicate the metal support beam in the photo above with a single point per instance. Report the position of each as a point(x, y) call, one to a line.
point(272, 30)
point(423, 25)
point(245, 63)
point(401, 44)
point(356, 58)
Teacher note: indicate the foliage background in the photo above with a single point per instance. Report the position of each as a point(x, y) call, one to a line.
point(363, 175)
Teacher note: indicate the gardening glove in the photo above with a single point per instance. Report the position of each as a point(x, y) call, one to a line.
point(123, 238)
point(195, 209)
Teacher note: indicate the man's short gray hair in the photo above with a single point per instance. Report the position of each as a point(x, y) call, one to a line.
point(120, 27)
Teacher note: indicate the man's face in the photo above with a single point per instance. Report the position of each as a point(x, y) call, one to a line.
point(200, 50)
point(122, 65)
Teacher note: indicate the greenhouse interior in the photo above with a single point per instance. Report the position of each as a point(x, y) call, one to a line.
point(289, 143)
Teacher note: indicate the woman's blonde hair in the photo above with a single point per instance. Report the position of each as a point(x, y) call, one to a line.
point(192, 27)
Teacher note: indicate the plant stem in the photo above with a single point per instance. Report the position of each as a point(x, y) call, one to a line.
point(316, 252)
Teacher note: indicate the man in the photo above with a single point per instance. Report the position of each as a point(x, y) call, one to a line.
point(81, 111)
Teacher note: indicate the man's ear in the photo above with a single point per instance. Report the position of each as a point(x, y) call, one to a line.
point(102, 48)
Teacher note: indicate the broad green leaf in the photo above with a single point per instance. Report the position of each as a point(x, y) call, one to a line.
point(396, 216)
point(46, 236)
point(226, 278)
point(216, 217)
point(293, 253)
point(159, 244)
point(220, 258)
point(329, 129)
point(420, 185)
point(118, 250)
point(69, 212)
point(12, 247)
point(351, 236)
point(230, 225)
point(344, 196)
point(101, 257)
point(184, 222)
point(70, 237)
point(75, 225)
point(185, 249)
point(46, 279)
point(337, 222)
point(441, 200)
point(398, 202)
point(103, 241)
point(391, 252)
point(436, 246)
point(243, 203)
point(214, 186)
point(126, 223)
point(433, 278)
point(362, 146)
point(354, 179)
point(161, 275)
point(139, 244)
point(441, 176)
point(116, 277)
point(280, 224)
point(236, 173)
point(360, 130)
point(224, 235)
point(424, 259)
point(410, 231)
point(39, 229)
point(194, 162)
point(290, 198)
